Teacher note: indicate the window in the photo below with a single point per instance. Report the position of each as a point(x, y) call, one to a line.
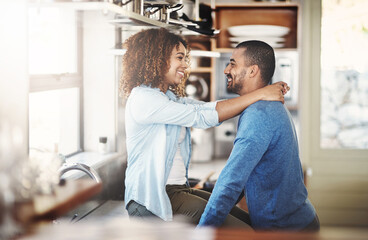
point(55, 80)
point(344, 75)
point(54, 120)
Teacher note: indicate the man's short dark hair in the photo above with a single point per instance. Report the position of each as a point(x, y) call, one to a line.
point(261, 54)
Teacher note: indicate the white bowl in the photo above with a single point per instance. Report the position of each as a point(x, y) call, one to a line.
point(260, 38)
point(258, 30)
point(274, 45)
point(275, 42)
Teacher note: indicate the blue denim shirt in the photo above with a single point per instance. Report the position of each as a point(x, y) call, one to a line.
point(265, 163)
point(153, 122)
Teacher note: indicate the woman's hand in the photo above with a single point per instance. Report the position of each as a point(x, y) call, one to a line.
point(274, 92)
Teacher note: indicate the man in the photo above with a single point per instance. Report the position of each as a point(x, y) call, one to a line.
point(265, 160)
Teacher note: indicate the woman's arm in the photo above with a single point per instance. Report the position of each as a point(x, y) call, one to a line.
point(148, 106)
point(231, 107)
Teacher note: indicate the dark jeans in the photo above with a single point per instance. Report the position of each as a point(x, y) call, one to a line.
point(190, 203)
point(137, 210)
point(314, 226)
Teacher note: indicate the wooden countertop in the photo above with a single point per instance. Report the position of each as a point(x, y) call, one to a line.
point(125, 228)
point(64, 199)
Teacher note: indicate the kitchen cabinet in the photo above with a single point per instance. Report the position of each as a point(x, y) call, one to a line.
point(279, 14)
point(263, 16)
point(288, 55)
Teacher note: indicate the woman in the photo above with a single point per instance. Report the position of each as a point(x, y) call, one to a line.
point(158, 120)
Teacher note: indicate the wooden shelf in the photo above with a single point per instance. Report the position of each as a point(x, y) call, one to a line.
point(280, 14)
point(202, 64)
point(202, 70)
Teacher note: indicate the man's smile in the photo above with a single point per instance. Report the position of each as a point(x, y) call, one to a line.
point(229, 79)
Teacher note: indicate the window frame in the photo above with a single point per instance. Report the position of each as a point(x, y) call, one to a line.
point(311, 151)
point(47, 82)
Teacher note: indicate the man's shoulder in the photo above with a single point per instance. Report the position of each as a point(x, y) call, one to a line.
point(262, 113)
point(266, 104)
point(264, 107)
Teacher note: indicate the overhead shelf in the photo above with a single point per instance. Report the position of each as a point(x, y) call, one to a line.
point(129, 19)
point(106, 8)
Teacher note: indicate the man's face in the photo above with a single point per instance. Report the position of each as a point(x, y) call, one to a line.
point(237, 73)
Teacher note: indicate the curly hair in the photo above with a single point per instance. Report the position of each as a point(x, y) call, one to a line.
point(147, 60)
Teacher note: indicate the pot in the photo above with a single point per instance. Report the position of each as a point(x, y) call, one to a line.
point(160, 11)
point(188, 9)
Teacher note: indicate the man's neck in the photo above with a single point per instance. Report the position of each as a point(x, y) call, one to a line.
point(244, 91)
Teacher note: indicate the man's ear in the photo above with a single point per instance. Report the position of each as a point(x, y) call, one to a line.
point(254, 70)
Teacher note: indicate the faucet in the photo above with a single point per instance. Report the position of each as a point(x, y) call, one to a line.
point(82, 167)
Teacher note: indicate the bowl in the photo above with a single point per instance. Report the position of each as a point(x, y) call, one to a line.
point(258, 30)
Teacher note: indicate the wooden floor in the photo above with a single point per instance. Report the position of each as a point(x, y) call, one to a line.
point(110, 221)
point(345, 232)
point(326, 233)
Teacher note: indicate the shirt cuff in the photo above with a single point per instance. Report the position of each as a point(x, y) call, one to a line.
point(212, 106)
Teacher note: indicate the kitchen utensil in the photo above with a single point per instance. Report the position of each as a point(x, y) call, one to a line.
point(204, 26)
point(126, 4)
point(138, 6)
point(197, 88)
point(160, 10)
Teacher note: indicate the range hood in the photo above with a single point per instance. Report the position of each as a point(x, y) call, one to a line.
point(132, 18)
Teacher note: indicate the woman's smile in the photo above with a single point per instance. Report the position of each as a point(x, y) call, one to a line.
point(181, 73)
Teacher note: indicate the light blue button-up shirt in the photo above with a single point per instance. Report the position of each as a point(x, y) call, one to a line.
point(153, 121)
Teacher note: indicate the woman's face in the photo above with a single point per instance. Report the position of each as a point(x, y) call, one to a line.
point(177, 66)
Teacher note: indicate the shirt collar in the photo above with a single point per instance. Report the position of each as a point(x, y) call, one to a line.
point(171, 95)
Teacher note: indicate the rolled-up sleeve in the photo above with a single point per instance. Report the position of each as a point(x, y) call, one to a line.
point(150, 107)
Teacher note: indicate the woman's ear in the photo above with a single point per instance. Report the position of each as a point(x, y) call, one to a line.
point(254, 70)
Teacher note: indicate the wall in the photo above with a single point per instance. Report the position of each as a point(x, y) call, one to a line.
point(13, 82)
point(99, 80)
point(338, 186)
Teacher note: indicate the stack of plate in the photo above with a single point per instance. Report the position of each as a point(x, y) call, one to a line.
point(271, 34)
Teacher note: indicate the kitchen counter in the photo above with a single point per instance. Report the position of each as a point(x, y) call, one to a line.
point(123, 228)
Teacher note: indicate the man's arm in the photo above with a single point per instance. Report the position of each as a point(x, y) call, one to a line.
point(250, 144)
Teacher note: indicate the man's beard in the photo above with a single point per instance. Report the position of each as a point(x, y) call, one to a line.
point(236, 86)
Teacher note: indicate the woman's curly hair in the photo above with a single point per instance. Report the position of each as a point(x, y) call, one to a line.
point(147, 60)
